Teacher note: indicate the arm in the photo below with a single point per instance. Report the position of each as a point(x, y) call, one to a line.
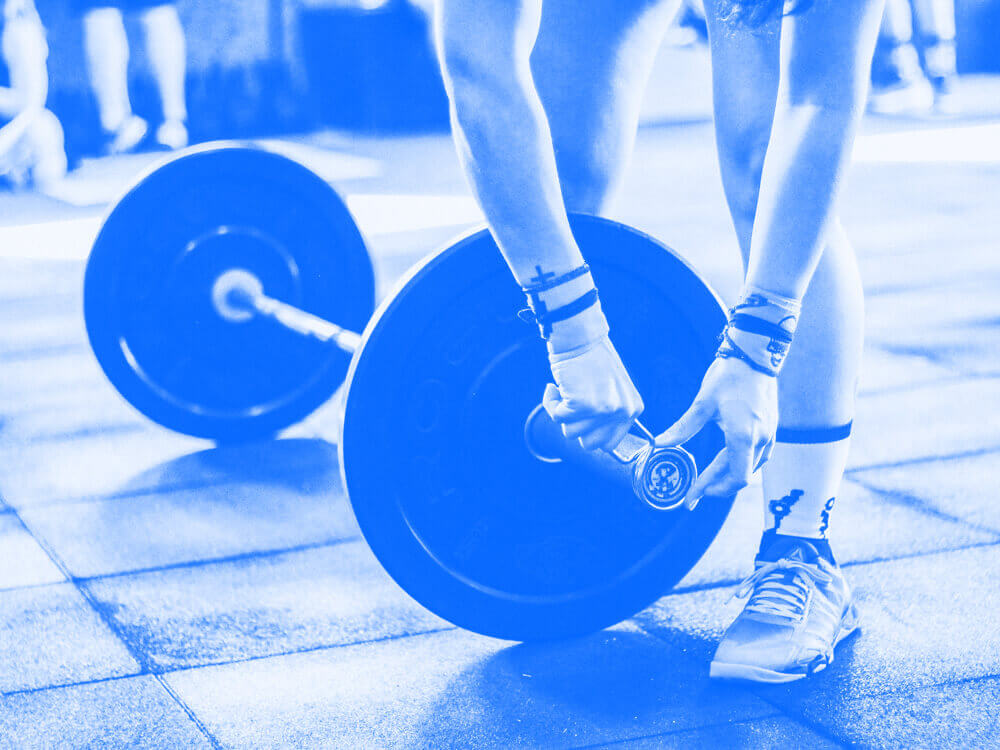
point(505, 147)
point(825, 55)
point(825, 58)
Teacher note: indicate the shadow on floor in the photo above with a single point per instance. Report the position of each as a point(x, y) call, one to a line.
point(594, 688)
point(293, 464)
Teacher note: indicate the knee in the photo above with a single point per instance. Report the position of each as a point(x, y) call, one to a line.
point(741, 156)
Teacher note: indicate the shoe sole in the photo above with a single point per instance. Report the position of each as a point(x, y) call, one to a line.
point(721, 670)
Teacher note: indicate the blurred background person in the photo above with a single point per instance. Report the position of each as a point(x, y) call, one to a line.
point(689, 26)
point(913, 76)
point(107, 50)
point(31, 137)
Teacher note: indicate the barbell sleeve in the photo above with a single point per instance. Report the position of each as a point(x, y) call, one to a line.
point(660, 476)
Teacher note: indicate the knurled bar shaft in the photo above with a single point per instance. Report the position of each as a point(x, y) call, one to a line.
point(305, 323)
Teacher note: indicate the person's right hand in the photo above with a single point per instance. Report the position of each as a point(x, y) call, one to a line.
point(593, 399)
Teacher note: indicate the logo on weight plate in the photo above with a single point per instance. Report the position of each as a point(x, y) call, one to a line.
point(667, 477)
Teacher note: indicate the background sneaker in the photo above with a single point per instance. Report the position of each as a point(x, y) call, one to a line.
point(913, 97)
point(799, 607)
point(172, 134)
point(128, 135)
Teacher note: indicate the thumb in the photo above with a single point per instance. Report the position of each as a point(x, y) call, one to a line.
point(687, 426)
point(551, 399)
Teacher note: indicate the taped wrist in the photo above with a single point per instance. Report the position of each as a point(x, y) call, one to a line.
point(540, 313)
point(760, 330)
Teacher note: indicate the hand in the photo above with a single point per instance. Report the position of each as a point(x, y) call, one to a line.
point(744, 403)
point(593, 399)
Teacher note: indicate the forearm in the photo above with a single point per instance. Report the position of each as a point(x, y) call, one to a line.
point(826, 54)
point(505, 146)
point(506, 149)
point(809, 152)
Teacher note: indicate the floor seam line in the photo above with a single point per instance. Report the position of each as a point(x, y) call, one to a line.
point(137, 655)
point(923, 506)
point(166, 671)
point(206, 562)
point(973, 453)
point(168, 689)
point(777, 712)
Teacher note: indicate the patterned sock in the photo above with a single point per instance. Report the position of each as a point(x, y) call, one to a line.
point(801, 481)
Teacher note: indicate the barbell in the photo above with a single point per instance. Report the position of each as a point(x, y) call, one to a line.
point(209, 299)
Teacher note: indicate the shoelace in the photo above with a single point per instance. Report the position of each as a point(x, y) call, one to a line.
point(781, 588)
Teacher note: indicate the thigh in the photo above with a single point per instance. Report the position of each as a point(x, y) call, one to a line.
point(746, 70)
point(590, 62)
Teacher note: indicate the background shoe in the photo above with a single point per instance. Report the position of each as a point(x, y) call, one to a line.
point(946, 101)
point(172, 134)
point(912, 97)
point(128, 135)
point(799, 607)
point(940, 61)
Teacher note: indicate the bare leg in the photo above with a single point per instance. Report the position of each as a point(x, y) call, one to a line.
point(107, 53)
point(167, 55)
point(936, 18)
point(48, 146)
point(936, 21)
point(897, 22)
point(905, 91)
point(590, 68)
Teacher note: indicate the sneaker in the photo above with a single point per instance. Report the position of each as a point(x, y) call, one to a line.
point(945, 96)
point(905, 98)
point(940, 62)
point(172, 134)
point(128, 135)
point(799, 607)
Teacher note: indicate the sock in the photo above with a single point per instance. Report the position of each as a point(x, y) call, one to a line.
point(939, 57)
point(905, 62)
point(775, 546)
point(801, 481)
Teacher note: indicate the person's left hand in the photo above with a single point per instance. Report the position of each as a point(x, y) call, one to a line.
point(744, 403)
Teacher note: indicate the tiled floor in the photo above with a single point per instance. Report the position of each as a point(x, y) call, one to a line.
point(157, 591)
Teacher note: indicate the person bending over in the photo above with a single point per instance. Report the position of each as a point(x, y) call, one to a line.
point(545, 99)
point(31, 137)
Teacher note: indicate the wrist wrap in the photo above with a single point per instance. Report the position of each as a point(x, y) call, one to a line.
point(760, 330)
point(538, 312)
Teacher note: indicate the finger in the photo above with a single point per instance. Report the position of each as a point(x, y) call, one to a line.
point(738, 473)
point(600, 438)
point(687, 426)
point(551, 399)
point(706, 478)
point(618, 435)
point(581, 428)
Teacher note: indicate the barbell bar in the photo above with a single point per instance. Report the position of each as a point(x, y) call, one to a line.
point(208, 299)
point(660, 476)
